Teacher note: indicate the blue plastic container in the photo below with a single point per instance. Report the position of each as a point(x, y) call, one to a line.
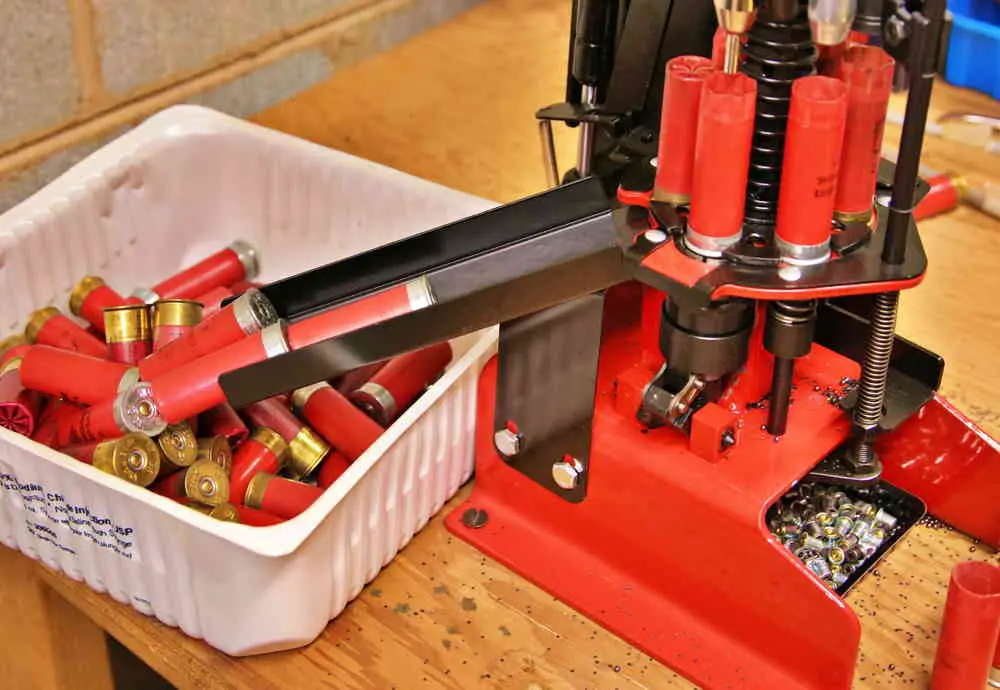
point(974, 49)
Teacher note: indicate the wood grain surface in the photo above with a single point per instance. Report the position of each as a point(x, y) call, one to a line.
point(456, 106)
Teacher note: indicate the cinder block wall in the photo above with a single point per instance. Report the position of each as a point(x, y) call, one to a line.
point(76, 73)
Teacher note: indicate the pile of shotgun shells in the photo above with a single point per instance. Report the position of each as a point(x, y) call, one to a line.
point(833, 533)
point(63, 380)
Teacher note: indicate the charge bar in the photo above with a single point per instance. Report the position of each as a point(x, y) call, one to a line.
point(509, 262)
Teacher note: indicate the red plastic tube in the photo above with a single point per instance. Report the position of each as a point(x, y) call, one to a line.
point(71, 375)
point(722, 159)
point(868, 72)
point(971, 628)
point(719, 49)
point(813, 147)
point(679, 127)
point(127, 332)
point(395, 386)
point(87, 425)
point(14, 352)
point(247, 315)
point(19, 407)
point(306, 449)
point(212, 300)
point(47, 424)
point(222, 420)
point(49, 326)
point(173, 319)
point(279, 496)
point(91, 297)
point(367, 311)
point(353, 380)
point(944, 195)
point(346, 427)
point(331, 469)
point(235, 263)
point(265, 451)
point(193, 388)
point(257, 518)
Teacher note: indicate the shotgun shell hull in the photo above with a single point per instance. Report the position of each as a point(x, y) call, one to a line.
point(10, 343)
point(331, 469)
point(127, 333)
point(91, 297)
point(216, 449)
point(194, 388)
point(249, 314)
point(399, 383)
point(379, 307)
point(223, 420)
point(48, 423)
point(279, 496)
point(343, 425)
point(133, 457)
point(19, 407)
point(266, 451)
point(132, 410)
point(173, 319)
point(49, 326)
point(203, 482)
point(179, 447)
point(236, 262)
point(306, 449)
point(257, 518)
point(72, 375)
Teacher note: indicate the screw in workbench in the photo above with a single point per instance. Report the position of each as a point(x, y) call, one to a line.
point(474, 518)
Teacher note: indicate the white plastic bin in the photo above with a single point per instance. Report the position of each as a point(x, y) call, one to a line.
point(182, 185)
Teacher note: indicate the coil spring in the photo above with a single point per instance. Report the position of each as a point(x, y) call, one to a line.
point(776, 54)
point(875, 370)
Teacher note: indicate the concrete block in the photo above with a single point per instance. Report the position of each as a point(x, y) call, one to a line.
point(39, 86)
point(147, 42)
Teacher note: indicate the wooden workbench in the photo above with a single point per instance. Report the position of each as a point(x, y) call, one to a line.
point(456, 106)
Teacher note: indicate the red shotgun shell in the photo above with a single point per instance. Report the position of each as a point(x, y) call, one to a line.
point(395, 301)
point(19, 407)
point(47, 424)
point(204, 482)
point(344, 426)
point(679, 127)
point(811, 167)
point(398, 384)
point(222, 420)
point(722, 160)
point(127, 332)
point(306, 449)
point(74, 376)
point(225, 512)
point(257, 518)
point(132, 410)
point(279, 496)
point(191, 389)
point(9, 344)
point(236, 262)
point(133, 457)
point(212, 300)
point(91, 297)
point(173, 319)
point(179, 447)
point(265, 451)
point(971, 626)
point(247, 315)
point(49, 326)
point(945, 194)
point(868, 72)
point(331, 469)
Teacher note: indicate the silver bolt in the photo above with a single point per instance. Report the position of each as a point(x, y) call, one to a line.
point(507, 442)
point(566, 473)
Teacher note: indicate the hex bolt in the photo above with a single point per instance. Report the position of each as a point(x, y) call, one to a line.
point(508, 442)
point(567, 473)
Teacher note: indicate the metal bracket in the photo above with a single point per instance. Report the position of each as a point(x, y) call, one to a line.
point(546, 380)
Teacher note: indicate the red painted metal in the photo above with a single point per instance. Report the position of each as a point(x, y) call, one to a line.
point(953, 465)
point(825, 292)
point(670, 551)
point(708, 426)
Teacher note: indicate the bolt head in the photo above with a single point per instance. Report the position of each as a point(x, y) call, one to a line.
point(507, 442)
point(895, 30)
point(566, 473)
